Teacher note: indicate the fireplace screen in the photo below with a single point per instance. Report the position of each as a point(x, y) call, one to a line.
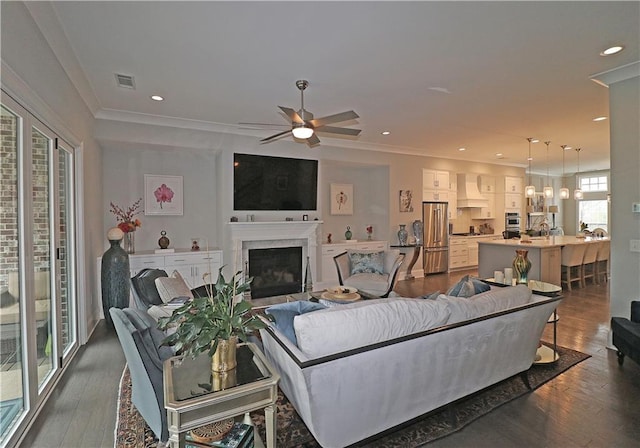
point(275, 271)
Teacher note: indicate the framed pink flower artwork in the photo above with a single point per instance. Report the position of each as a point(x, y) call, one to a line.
point(163, 195)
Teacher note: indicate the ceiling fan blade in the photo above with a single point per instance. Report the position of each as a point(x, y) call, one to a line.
point(313, 140)
point(344, 116)
point(274, 136)
point(250, 123)
point(292, 114)
point(336, 130)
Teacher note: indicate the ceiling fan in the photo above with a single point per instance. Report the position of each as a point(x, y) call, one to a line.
point(304, 126)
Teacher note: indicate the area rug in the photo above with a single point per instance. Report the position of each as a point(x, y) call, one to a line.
point(131, 430)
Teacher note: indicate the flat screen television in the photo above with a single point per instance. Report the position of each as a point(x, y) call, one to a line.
point(274, 183)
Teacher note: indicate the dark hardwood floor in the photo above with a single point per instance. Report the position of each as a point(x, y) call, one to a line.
point(594, 404)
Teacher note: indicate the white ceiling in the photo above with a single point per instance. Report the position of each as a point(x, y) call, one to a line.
point(437, 75)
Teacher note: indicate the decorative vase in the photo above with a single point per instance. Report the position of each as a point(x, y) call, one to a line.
point(403, 235)
point(114, 275)
point(417, 231)
point(521, 266)
point(129, 242)
point(348, 234)
point(163, 242)
point(224, 359)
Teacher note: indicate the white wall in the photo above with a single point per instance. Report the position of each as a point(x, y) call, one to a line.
point(52, 97)
point(624, 106)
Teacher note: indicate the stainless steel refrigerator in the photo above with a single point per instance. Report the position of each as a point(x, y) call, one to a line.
point(435, 256)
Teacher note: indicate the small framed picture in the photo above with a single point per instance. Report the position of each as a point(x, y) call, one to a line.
point(305, 217)
point(341, 197)
point(406, 201)
point(163, 195)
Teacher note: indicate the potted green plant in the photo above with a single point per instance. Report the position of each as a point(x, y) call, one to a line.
point(214, 323)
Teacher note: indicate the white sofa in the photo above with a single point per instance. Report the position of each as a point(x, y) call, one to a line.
point(362, 368)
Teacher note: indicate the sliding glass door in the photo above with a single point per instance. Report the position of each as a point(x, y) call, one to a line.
point(37, 264)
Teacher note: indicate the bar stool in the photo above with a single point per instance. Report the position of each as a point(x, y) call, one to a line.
point(602, 260)
point(571, 269)
point(589, 263)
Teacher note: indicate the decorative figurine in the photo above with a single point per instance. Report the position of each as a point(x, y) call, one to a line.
point(163, 242)
point(195, 245)
point(329, 239)
point(348, 233)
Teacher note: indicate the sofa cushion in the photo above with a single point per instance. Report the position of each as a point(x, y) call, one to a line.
point(171, 287)
point(366, 262)
point(284, 313)
point(152, 337)
point(365, 322)
point(372, 283)
point(494, 300)
point(468, 286)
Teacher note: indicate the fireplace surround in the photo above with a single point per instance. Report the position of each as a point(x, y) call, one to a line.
point(245, 236)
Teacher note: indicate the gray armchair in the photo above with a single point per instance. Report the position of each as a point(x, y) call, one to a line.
point(140, 341)
point(143, 286)
point(379, 285)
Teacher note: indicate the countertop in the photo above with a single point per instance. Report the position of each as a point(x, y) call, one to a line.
point(541, 241)
point(453, 236)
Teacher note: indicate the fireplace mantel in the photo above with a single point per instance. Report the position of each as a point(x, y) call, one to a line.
point(243, 234)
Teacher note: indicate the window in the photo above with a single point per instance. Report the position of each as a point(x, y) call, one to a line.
point(596, 183)
point(594, 213)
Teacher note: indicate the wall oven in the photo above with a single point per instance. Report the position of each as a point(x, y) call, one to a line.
point(512, 221)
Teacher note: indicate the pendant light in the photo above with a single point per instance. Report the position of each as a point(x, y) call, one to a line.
point(548, 189)
point(564, 191)
point(577, 193)
point(529, 190)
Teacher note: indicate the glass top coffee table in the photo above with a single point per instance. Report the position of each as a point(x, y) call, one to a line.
point(194, 397)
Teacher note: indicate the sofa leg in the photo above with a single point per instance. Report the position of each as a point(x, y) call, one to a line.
point(620, 358)
point(525, 379)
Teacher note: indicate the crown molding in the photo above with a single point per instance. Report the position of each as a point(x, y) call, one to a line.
point(617, 74)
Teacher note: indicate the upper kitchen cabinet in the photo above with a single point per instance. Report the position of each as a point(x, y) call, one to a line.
point(513, 184)
point(435, 180)
point(488, 212)
point(487, 184)
point(435, 185)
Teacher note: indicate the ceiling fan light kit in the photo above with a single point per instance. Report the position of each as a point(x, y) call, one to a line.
point(305, 127)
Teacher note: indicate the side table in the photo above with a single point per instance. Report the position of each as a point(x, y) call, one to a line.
point(414, 257)
point(192, 396)
point(544, 355)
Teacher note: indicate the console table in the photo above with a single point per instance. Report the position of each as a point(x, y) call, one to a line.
point(416, 253)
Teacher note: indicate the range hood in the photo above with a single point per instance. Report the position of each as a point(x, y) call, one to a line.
point(468, 194)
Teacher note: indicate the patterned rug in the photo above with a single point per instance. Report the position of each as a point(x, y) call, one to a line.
point(132, 431)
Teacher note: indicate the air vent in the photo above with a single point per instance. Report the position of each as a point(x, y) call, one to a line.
point(125, 81)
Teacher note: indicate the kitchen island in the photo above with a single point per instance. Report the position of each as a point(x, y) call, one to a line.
point(544, 254)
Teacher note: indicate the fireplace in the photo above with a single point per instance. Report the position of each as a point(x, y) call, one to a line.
point(304, 236)
point(276, 271)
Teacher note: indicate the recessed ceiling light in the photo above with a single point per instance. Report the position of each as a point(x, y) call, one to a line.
point(462, 149)
point(612, 50)
point(599, 118)
point(385, 132)
point(498, 154)
point(568, 147)
point(157, 98)
point(529, 158)
point(535, 140)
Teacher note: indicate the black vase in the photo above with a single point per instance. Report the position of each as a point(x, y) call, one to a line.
point(114, 276)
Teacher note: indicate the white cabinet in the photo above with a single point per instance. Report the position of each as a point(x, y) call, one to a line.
point(512, 202)
point(435, 195)
point(487, 184)
point(435, 186)
point(453, 205)
point(458, 253)
point(513, 184)
point(329, 271)
point(488, 212)
point(435, 180)
point(193, 267)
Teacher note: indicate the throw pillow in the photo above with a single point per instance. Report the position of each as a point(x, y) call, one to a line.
point(366, 262)
point(171, 287)
point(468, 286)
point(431, 296)
point(285, 312)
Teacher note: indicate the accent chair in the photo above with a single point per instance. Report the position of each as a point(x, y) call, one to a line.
point(378, 284)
